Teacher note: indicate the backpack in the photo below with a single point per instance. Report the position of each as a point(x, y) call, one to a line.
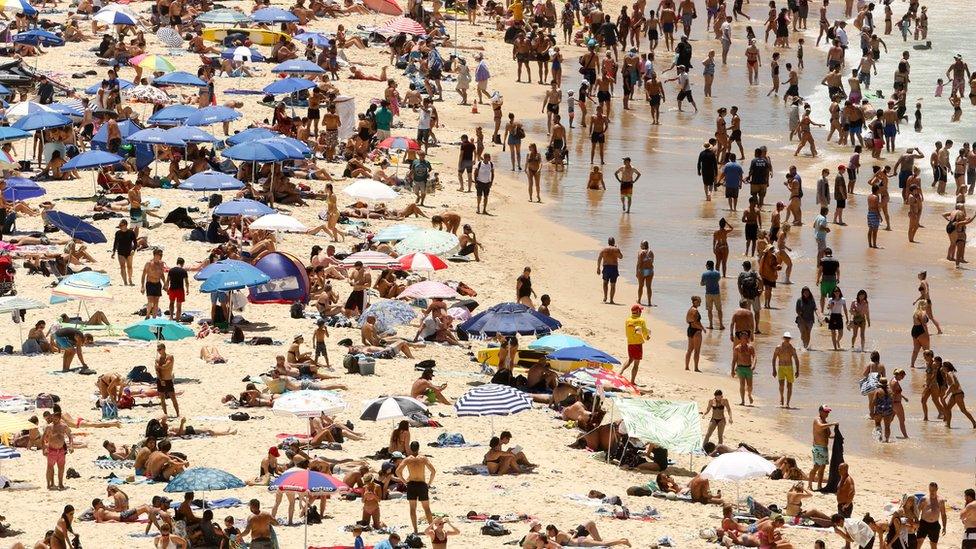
point(413, 541)
point(140, 374)
point(750, 285)
point(421, 169)
point(493, 528)
point(297, 310)
point(110, 410)
point(126, 402)
point(237, 336)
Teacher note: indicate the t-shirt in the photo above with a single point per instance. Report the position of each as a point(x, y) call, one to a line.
point(421, 169)
point(384, 119)
point(820, 227)
point(733, 175)
point(467, 151)
point(859, 530)
point(385, 544)
point(710, 280)
point(71, 334)
point(177, 278)
point(424, 122)
point(829, 267)
point(636, 330)
point(483, 174)
point(759, 171)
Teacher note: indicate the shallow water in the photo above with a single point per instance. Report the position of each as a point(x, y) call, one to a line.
point(669, 211)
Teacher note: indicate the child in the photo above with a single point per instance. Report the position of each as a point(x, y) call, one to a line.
point(939, 86)
point(229, 529)
point(571, 105)
point(544, 308)
point(318, 337)
point(595, 182)
point(799, 54)
point(918, 117)
point(358, 532)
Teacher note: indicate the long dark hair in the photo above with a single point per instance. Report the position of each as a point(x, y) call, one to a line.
point(64, 517)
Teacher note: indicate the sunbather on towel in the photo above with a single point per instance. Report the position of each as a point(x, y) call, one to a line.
point(740, 534)
point(585, 535)
point(119, 453)
point(130, 515)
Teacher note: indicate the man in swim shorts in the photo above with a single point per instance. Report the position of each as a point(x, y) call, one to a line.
point(744, 364)
point(418, 485)
point(821, 435)
point(153, 279)
point(606, 264)
point(627, 175)
point(786, 368)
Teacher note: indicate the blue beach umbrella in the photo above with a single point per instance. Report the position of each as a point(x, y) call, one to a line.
point(555, 342)
point(255, 55)
point(211, 180)
point(92, 159)
point(179, 78)
point(298, 66)
point(19, 188)
point(93, 89)
point(190, 134)
point(91, 279)
point(243, 206)
point(319, 40)
point(18, 6)
point(203, 479)
point(156, 329)
point(36, 37)
point(75, 227)
point(257, 151)
point(250, 134)
point(222, 265)
point(172, 115)
point(224, 16)
point(66, 109)
point(212, 115)
point(274, 15)
point(509, 319)
point(41, 121)
point(8, 133)
point(582, 353)
point(295, 149)
point(235, 279)
point(288, 85)
point(154, 136)
point(4, 90)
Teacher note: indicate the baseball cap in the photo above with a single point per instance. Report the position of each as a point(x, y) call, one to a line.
point(825, 409)
point(397, 455)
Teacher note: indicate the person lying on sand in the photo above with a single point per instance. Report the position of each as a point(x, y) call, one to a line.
point(372, 351)
point(119, 453)
point(585, 535)
point(79, 422)
point(102, 514)
point(300, 370)
point(188, 430)
point(278, 384)
point(251, 397)
point(325, 429)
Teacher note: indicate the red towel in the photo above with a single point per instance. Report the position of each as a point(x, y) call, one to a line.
point(299, 436)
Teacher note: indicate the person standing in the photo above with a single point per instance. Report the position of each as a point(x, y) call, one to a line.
point(750, 289)
point(968, 518)
point(179, 286)
point(419, 175)
point(626, 175)
point(932, 509)
point(713, 293)
point(165, 379)
point(744, 364)
point(731, 177)
point(821, 436)
point(645, 271)
point(786, 368)
point(828, 274)
point(418, 484)
point(845, 491)
point(721, 410)
point(259, 526)
point(124, 244)
point(708, 169)
point(606, 264)
point(874, 216)
point(153, 279)
point(466, 150)
point(806, 315)
point(56, 442)
point(484, 176)
point(637, 333)
point(523, 288)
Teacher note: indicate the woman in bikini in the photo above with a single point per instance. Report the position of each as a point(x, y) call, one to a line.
point(920, 331)
point(695, 331)
point(533, 167)
point(720, 245)
point(741, 534)
point(925, 296)
point(498, 461)
point(438, 535)
point(934, 384)
point(794, 506)
point(718, 406)
point(954, 395)
point(882, 409)
point(860, 317)
point(645, 272)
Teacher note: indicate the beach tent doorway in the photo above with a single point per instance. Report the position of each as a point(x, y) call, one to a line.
point(289, 280)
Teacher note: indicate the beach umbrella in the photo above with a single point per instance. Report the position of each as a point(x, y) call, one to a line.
point(82, 291)
point(279, 222)
point(250, 134)
point(114, 14)
point(170, 37)
point(11, 424)
point(75, 227)
point(298, 66)
point(203, 479)
point(172, 115)
point(158, 329)
point(6, 452)
point(37, 37)
point(288, 85)
point(223, 265)
point(429, 241)
point(211, 180)
point(83, 282)
point(429, 289)
point(308, 403)
point(212, 115)
point(226, 280)
point(395, 232)
point(295, 149)
point(421, 262)
point(391, 407)
point(71, 109)
point(180, 78)
point(371, 260)
point(153, 63)
point(400, 144)
point(146, 94)
point(243, 206)
point(25, 108)
point(492, 400)
point(123, 84)
point(388, 314)
point(397, 25)
point(243, 53)
point(8, 134)
point(306, 481)
point(191, 134)
point(257, 151)
point(370, 190)
point(18, 6)
point(19, 188)
point(92, 159)
point(41, 121)
point(223, 16)
point(10, 303)
point(318, 39)
point(593, 377)
point(274, 15)
point(509, 319)
point(154, 136)
point(582, 353)
point(738, 466)
point(386, 7)
point(554, 342)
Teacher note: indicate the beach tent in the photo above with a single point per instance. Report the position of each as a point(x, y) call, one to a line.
point(144, 152)
point(289, 280)
point(672, 425)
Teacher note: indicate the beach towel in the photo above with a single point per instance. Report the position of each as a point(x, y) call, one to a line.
point(869, 383)
point(112, 464)
point(482, 470)
point(836, 458)
point(223, 503)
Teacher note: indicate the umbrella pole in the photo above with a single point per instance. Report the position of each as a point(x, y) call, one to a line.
point(612, 431)
point(626, 441)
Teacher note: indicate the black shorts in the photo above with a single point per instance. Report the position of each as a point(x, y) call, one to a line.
point(969, 539)
point(165, 387)
point(930, 530)
point(154, 289)
point(655, 100)
point(603, 96)
point(356, 300)
point(736, 135)
point(685, 94)
point(417, 491)
point(598, 137)
point(313, 114)
point(176, 19)
point(752, 231)
point(731, 192)
point(482, 189)
point(553, 108)
point(841, 204)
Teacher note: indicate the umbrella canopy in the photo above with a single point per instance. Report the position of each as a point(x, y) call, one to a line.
point(18, 6)
point(400, 144)
point(429, 289)
point(298, 66)
point(308, 403)
point(11, 134)
point(274, 15)
point(123, 84)
point(86, 285)
point(16, 303)
point(226, 280)
point(397, 25)
point(318, 39)
point(250, 134)
point(492, 399)
point(295, 149)
point(388, 314)
point(10, 423)
point(212, 115)
point(223, 16)
point(222, 265)
point(6, 452)
point(19, 188)
point(304, 480)
point(668, 424)
point(390, 407)
point(71, 109)
point(738, 466)
point(211, 180)
point(591, 377)
point(154, 136)
point(243, 53)
point(36, 37)
point(158, 329)
point(25, 108)
point(583, 353)
point(153, 63)
point(395, 232)
point(75, 227)
point(554, 342)
point(169, 36)
point(172, 115)
point(92, 159)
point(371, 260)
point(387, 7)
point(42, 121)
point(509, 319)
point(243, 206)
point(203, 479)
point(180, 78)
point(146, 94)
point(370, 190)
point(429, 241)
point(257, 151)
point(422, 262)
point(191, 134)
point(115, 14)
point(288, 85)
point(279, 222)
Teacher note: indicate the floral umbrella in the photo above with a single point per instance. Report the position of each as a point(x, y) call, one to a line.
point(592, 377)
point(146, 94)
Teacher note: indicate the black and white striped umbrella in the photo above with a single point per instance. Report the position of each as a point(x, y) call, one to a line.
point(391, 407)
point(492, 399)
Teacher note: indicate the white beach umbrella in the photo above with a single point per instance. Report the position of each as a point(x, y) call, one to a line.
point(25, 108)
point(279, 222)
point(370, 190)
point(738, 466)
point(308, 403)
point(371, 260)
point(390, 407)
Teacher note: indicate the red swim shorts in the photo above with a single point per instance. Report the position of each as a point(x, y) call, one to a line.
point(178, 296)
point(55, 456)
point(635, 351)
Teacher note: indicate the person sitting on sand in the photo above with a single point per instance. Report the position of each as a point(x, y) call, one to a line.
point(423, 388)
point(500, 462)
point(325, 429)
point(372, 351)
point(400, 438)
point(586, 535)
point(700, 492)
point(794, 506)
point(300, 370)
point(740, 534)
point(102, 514)
point(770, 535)
point(505, 437)
point(161, 466)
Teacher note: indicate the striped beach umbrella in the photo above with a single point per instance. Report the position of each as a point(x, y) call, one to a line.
point(6, 452)
point(18, 6)
point(492, 399)
point(429, 289)
point(390, 407)
point(371, 260)
point(422, 262)
point(224, 16)
point(170, 37)
point(399, 144)
point(397, 25)
point(427, 241)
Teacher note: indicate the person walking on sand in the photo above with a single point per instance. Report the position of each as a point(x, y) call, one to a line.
point(598, 134)
point(821, 436)
point(637, 333)
point(744, 365)
point(786, 368)
point(523, 288)
point(932, 510)
point(645, 272)
point(124, 244)
point(153, 279)
point(484, 176)
point(626, 175)
point(56, 443)
point(606, 264)
point(713, 294)
point(165, 378)
point(418, 484)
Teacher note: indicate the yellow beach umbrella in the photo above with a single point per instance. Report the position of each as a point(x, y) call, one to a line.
point(10, 423)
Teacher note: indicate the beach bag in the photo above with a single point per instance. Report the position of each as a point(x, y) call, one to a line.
point(140, 374)
point(240, 416)
point(297, 310)
point(493, 528)
point(237, 336)
point(109, 410)
point(126, 402)
point(414, 541)
point(154, 429)
point(45, 400)
point(351, 363)
point(450, 439)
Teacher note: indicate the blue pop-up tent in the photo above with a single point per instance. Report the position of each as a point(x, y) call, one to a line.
point(144, 152)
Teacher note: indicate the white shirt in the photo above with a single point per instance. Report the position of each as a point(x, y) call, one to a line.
point(727, 32)
point(859, 530)
point(484, 171)
point(842, 37)
point(424, 122)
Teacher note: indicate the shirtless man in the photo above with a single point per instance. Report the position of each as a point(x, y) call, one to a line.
point(606, 264)
point(904, 167)
point(360, 280)
point(550, 104)
point(598, 134)
point(164, 379)
point(57, 442)
point(701, 493)
point(821, 436)
point(932, 509)
point(136, 215)
point(418, 485)
point(153, 280)
point(968, 518)
point(259, 526)
point(786, 368)
point(161, 466)
point(557, 140)
point(626, 175)
point(423, 388)
point(959, 73)
point(743, 320)
point(102, 514)
point(743, 363)
point(446, 221)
